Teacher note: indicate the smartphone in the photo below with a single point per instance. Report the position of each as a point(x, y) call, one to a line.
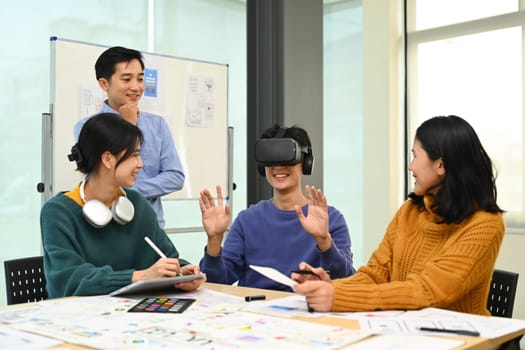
point(307, 272)
point(303, 272)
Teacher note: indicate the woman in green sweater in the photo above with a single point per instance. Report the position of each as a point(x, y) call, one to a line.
point(440, 248)
point(94, 235)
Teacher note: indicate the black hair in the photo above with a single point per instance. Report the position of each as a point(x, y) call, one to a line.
point(294, 132)
point(469, 183)
point(105, 64)
point(104, 132)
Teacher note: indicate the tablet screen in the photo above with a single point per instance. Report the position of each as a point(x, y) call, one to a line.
point(154, 284)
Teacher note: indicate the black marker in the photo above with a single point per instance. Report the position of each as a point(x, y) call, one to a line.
point(310, 309)
point(453, 331)
point(254, 297)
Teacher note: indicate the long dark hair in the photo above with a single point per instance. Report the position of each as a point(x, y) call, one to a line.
point(104, 132)
point(469, 183)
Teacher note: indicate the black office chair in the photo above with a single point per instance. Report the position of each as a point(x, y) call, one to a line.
point(24, 280)
point(502, 292)
point(501, 300)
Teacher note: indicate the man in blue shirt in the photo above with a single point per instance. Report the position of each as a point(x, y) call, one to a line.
point(120, 73)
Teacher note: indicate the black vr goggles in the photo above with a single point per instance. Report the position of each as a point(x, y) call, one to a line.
point(282, 151)
point(279, 151)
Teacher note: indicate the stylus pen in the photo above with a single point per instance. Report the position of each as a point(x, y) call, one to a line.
point(453, 331)
point(155, 248)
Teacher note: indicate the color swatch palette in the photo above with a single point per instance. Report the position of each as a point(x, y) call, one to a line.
point(162, 305)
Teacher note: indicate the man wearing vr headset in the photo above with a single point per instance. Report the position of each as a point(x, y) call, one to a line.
point(279, 232)
point(91, 249)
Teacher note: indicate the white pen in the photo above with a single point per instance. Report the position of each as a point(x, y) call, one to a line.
point(155, 248)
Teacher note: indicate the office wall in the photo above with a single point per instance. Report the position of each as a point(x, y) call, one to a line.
point(383, 115)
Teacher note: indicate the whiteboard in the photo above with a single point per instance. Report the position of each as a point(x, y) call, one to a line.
point(191, 95)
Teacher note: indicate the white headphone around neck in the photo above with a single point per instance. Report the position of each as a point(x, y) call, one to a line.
point(99, 215)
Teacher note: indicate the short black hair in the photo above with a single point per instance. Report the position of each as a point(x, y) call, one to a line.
point(294, 132)
point(105, 64)
point(104, 132)
point(469, 183)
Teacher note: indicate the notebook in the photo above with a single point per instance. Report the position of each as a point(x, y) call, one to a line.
point(154, 284)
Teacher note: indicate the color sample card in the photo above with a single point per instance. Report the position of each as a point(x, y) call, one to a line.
point(163, 305)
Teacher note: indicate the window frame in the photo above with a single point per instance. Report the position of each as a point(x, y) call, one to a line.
point(482, 25)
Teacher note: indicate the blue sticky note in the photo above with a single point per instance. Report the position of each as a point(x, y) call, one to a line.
point(150, 82)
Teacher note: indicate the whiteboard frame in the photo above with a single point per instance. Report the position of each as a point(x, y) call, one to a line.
point(49, 187)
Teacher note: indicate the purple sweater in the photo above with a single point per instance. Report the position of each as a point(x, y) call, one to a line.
point(266, 236)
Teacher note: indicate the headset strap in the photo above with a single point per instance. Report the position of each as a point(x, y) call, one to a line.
point(280, 133)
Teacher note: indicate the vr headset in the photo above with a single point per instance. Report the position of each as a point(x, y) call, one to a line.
point(282, 151)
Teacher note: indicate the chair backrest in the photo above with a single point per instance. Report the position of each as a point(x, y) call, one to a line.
point(502, 292)
point(24, 280)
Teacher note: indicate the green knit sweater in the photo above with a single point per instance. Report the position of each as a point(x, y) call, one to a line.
point(420, 263)
point(80, 259)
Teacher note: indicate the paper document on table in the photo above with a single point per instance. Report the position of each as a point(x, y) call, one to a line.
point(108, 325)
point(275, 275)
point(488, 327)
point(15, 339)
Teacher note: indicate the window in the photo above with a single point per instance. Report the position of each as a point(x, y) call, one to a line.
point(431, 14)
point(473, 69)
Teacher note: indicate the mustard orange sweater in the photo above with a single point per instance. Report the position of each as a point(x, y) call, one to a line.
point(420, 263)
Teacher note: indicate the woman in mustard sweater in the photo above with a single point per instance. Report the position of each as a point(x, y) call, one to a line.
point(440, 248)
